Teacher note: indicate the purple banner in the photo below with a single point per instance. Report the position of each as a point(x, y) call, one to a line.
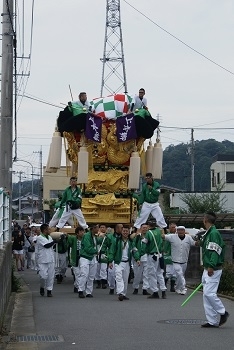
point(125, 128)
point(93, 129)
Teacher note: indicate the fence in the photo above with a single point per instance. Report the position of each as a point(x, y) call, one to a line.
point(4, 218)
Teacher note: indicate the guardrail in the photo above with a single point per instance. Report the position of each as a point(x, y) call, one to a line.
point(4, 217)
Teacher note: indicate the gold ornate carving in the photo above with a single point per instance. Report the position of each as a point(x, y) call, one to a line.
point(112, 180)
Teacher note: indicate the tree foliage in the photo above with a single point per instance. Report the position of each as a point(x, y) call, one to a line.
point(200, 203)
point(177, 163)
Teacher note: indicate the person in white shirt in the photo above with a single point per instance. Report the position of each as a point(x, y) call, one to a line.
point(180, 248)
point(45, 256)
point(139, 101)
point(83, 101)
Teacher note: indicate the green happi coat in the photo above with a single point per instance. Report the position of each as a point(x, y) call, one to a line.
point(110, 238)
point(74, 254)
point(213, 248)
point(62, 246)
point(72, 197)
point(149, 246)
point(116, 251)
point(89, 246)
point(102, 249)
point(60, 206)
point(147, 194)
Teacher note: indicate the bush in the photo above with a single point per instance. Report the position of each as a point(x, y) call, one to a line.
point(226, 285)
point(15, 282)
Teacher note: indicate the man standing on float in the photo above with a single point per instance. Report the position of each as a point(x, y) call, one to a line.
point(148, 201)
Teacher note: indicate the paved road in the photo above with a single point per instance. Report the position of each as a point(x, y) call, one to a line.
point(106, 323)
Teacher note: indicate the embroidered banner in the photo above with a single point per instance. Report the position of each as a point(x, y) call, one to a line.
point(93, 129)
point(125, 128)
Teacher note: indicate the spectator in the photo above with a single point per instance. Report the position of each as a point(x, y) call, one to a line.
point(17, 247)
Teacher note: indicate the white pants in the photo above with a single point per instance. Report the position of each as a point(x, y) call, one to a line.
point(86, 276)
point(155, 275)
point(180, 271)
point(140, 273)
point(67, 214)
point(76, 271)
point(55, 219)
point(33, 261)
point(146, 210)
point(121, 277)
point(212, 304)
point(111, 277)
point(60, 263)
point(46, 273)
point(101, 273)
point(28, 256)
point(170, 271)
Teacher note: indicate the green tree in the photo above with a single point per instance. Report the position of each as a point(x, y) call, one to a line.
point(199, 203)
point(177, 163)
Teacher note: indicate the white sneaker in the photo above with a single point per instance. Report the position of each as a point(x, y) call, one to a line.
point(183, 291)
point(178, 291)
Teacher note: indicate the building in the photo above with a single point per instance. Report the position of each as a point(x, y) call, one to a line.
point(24, 206)
point(222, 172)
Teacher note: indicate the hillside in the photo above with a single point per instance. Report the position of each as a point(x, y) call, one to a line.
point(177, 163)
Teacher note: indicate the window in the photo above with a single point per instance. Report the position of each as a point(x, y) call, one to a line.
point(213, 182)
point(230, 177)
point(218, 178)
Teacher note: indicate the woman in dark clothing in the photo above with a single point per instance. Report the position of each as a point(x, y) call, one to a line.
point(17, 247)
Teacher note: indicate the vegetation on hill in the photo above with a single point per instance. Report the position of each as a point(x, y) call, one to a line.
point(177, 163)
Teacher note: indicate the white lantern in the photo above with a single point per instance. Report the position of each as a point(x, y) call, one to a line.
point(157, 160)
point(134, 171)
point(83, 165)
point(54, 160)
point(149, 158)
point(48, 169)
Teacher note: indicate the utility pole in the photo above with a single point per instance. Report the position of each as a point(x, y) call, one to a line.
point(20, 192)
point(192, 160)
point(113, 69)
point(6, 118)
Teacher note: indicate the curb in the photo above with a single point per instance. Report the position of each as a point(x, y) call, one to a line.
point(19, 318)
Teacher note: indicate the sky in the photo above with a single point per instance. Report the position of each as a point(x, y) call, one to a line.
point(185, 89)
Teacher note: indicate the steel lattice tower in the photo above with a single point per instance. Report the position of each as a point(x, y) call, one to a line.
point(113, 70)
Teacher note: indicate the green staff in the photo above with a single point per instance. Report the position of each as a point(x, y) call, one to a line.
point(190, 296)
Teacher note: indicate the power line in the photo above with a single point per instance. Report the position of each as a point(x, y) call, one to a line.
point(41, 101)
point(175, 37)
point(189, 128)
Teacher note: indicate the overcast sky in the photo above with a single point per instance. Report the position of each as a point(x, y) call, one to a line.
point(184, 88)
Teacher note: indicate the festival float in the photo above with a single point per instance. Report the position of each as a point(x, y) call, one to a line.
point(105, 149)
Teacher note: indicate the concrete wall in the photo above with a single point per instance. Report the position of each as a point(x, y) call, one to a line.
point(194, 268)
point(54, 181)
point(5, 278)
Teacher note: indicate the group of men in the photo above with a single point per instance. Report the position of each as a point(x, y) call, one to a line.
point(108, 257)
point(139, 101)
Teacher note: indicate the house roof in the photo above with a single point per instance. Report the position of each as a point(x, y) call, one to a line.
point(26, 197)
point(28, 210)
point(228, 157)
